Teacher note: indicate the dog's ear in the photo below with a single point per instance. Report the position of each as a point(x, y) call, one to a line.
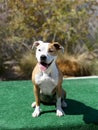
point(58, 46)
point(36, 43)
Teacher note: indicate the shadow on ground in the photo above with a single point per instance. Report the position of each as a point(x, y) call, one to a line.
point(90, 115)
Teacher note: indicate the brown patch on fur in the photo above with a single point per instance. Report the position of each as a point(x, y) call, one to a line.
point(54, 48)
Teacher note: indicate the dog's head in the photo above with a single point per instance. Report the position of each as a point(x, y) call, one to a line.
point(46, 53)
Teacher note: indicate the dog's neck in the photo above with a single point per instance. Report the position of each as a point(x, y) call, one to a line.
point(51, 75)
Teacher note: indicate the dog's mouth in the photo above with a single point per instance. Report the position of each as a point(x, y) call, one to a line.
point(44, 66)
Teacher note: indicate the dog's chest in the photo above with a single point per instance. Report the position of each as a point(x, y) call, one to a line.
point(47, 82)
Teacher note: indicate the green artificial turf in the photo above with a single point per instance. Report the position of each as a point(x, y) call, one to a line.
point(81, 114)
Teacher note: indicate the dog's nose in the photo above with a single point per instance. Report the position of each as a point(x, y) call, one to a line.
point(43, 57)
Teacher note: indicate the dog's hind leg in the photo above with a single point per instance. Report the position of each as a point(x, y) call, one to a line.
point(33, 104)
point(63, 103)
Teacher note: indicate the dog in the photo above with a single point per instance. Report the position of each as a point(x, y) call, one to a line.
point(47, 78)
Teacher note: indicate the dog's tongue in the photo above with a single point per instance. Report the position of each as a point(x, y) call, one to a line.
point(42, 67)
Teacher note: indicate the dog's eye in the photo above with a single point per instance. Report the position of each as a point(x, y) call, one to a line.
point(50, 51)
point(39, 49)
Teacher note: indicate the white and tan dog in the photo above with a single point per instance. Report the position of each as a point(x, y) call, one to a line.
point(47, 78)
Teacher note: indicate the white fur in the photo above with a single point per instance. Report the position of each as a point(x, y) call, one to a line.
point(47, 81)
point(42, 49)
point(36, 112)
point(33, 104)
point(59, 111)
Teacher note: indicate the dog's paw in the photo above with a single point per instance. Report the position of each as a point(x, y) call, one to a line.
point(59, 112)
point(36, 112)
point(33, 104)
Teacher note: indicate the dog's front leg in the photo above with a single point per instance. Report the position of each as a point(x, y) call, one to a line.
point(36, 112)
point(59, 111)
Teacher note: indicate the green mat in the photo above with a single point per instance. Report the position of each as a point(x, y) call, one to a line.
point(81, 114)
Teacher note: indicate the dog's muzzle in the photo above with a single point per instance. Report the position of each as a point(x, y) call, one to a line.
point(43, 63)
